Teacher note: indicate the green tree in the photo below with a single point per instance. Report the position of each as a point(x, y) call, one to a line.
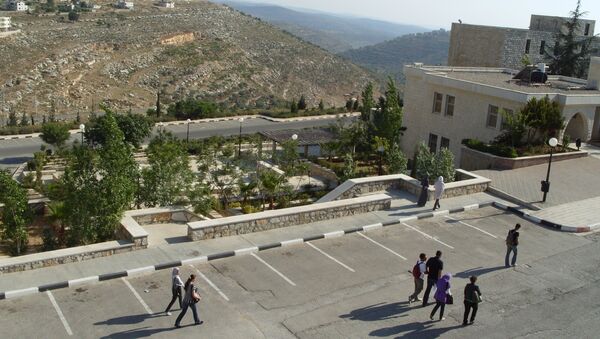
point(12, 119)
point(389, 121)
point(424, 162)
point(444, 165)
point(349, 169)
point(135, 128)
point(201, 199)
point(55, 134)
point(302, 103)
point(396, 160)
point(294, 106)
point(321, 105)
point(368, 103)
point(271, 184)
point(349, 105)
point(247, 189)
point(570, 55)
point(73, 16)
point(24, 121)
point(100, 185)
point(169, 175)
point(543, 118)
point(514, 128)
point(14, 214)
point(288, 158)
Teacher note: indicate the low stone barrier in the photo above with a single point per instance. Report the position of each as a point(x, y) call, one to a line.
point(323, 172)
point(468, 183)
point(267, 220)
point(473, 160)
point(64, 256)
point(263, 164)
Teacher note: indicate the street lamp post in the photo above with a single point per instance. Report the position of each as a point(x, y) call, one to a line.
point(240, 139)
point(187, 137)
point(546, 184)
point(380, 149)
point(82, 129)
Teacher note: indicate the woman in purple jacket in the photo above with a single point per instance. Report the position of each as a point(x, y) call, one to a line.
point(441, 295)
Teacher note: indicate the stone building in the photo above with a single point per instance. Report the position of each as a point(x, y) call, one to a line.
point(4, 23)
point(444, 105)
point(487, 46)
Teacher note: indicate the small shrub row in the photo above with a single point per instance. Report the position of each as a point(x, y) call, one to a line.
point(495, 149)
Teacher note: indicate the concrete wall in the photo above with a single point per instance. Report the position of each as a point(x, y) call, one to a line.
point(473, 160)
point(267, 220)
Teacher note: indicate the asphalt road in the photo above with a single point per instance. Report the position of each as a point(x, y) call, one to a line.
point(13, 152)
point(355, 286)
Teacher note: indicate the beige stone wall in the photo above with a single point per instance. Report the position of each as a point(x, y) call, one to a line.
point(474, 45)
point(177, 39)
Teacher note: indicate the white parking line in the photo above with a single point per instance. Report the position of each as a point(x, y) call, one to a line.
point(210, 283)
point(468, 225)
point(426, 235)
point(60, 314)
point(380, 245)
point(137, 296)
point(273, 269)
point(330, 257)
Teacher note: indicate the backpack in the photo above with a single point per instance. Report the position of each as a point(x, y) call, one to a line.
point(416, 271)
point(510, 238)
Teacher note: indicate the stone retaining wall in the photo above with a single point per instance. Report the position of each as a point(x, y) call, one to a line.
point(323, 172)
point(473, 160)
point(267, 220)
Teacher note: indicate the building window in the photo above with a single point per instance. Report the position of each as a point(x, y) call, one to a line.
point(437, 102)
point(432, 142)
point(508, 112)
point(587, 30)
point(445, 143)
point(527, 46)
point(449, 105)
point(542, 47)
point(492, 117)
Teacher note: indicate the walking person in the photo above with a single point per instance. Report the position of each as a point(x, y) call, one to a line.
point(176, 289)
point(424, 191)
point(439, 191)
point(189, 301)
point(512, 241)
point(419, 276)
point(442, 296)
point(472, 300)
point(434, 271)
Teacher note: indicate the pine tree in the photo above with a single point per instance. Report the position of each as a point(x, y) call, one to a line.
point(570, 54)
point(294, 107)
point(321, 105)
point(367, 102)
point(302, 103)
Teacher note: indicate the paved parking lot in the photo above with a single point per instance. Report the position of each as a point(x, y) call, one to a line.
point(353, 286)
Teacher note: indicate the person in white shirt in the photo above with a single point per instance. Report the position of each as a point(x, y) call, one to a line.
point(176, 289)
point(419, 276)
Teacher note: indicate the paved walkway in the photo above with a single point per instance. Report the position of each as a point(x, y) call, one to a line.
point(403, 206)
point(576, 214)
point(571, 180)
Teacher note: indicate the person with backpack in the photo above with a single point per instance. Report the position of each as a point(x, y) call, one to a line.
point(512, 241)
point(189, 301)
point(472, 300)
point(434, 271)
point(176, 289)
point(442, 296)
point(418, 273)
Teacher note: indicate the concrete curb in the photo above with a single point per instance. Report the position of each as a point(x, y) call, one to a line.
point(544, 222)
point(254, 249)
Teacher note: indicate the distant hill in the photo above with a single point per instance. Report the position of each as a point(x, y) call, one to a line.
point(197, 49)
point(388, 58)
point(331, 32)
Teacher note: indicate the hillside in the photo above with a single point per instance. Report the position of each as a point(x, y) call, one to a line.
point(333, 33)
point(389, 57)
point(123, 57)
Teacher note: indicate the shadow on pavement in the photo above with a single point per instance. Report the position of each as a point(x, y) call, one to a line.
point(177, 240)
point(128, 319)
point(478, 271)
point(14, 161)
point(139, 333)
point(413, 330)
point(379, 311)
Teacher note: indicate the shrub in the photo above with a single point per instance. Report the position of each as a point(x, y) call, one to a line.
point(495, 149)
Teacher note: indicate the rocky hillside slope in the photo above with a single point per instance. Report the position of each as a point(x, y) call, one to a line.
point(198, 49)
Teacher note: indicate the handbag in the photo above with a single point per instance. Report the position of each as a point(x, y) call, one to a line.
point(449, 299)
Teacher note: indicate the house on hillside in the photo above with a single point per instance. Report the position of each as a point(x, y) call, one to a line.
point(121, 4)
point(444, 105)
point(16, 5)
point(4, 23)
point(167, 3)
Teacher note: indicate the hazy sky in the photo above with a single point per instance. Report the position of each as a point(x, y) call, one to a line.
point(441, 13)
